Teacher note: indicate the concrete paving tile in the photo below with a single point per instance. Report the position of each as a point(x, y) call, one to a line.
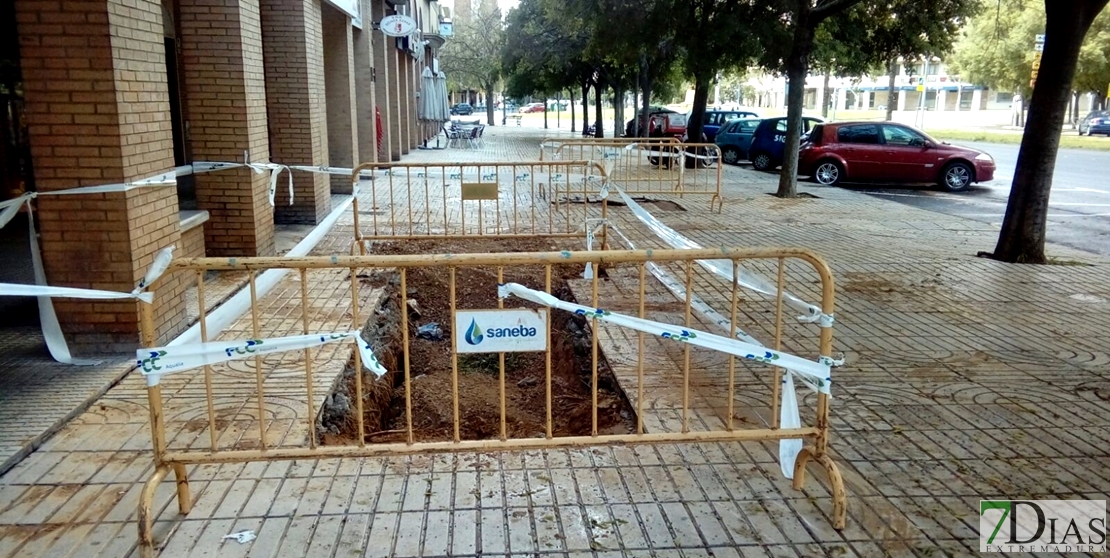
point(493, 539)
point(464, 532)
point(383, 532)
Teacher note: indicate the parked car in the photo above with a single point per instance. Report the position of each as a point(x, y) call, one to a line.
point(462, 109)
point(480, 107)
point(769, 141)
point(1096, 122)
point(714, 119)
point(533, 107)
point(888, 152)
point(652, 112)
point(734, 139)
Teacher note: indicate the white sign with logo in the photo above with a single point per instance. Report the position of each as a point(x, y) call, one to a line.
point(501, 331)
point(397, 25)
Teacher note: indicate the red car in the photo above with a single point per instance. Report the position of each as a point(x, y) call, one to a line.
point(534, 107)
point(888, 152)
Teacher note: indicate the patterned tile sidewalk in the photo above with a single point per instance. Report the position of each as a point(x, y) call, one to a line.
point(965, 379)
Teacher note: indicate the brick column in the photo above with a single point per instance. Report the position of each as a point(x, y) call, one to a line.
point(225, 97)
point(339, 73)
point(402, 104)
point(98, 113)
point(383, 93)
point(365, 91)
point(293, 48)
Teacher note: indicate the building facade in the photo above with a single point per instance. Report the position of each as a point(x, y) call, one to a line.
point(118, 91)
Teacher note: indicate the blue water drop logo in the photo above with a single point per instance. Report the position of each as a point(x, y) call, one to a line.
point(473, 333)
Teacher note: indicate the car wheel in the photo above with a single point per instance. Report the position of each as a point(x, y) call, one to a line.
point(762, 162)
point(730, 155)
point(956, 177)
point(828, 173)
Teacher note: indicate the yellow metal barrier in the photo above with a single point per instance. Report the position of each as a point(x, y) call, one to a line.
point(270, 407)
point(549, 146)
point(461, 200)
point(653, 166)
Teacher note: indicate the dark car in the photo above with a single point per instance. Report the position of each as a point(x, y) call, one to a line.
point(714, 119)
point(769, 141)
point(887, 152)
point(462, 109)
point(653, 111)
point(1096, 122)
point(734, 139)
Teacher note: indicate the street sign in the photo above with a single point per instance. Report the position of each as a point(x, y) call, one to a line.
point(920, 88)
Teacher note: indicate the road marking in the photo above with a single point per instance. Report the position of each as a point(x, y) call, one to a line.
point(1087, 190)
point(1078, 204)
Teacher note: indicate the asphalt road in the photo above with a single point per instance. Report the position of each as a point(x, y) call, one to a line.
point(1079, 208)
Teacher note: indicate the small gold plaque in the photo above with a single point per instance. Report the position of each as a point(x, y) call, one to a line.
point(479, 191)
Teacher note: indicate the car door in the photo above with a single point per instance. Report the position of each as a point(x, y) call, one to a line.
point(860, 146)
point(908, 157)
point(727, 134)
point(745, 130)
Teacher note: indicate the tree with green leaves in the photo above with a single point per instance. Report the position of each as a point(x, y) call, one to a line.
point(1023, 228)
point(473, 55)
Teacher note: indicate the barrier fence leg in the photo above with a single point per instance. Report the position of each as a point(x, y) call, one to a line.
point(146, 511)
point(184, 498)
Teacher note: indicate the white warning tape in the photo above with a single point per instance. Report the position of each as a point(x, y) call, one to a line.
point(814, 374)
point(159, 361)
point(723, 268)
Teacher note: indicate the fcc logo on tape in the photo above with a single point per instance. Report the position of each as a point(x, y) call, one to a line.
point(500, 331)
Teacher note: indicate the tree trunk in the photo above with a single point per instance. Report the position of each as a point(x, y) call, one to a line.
point(797, 66)
point(891, 96)
point(571, 110)
point(545, 111)
point(618, 111)
point(635, 103)
point(585, 107)
point(695, 126)
point(599, 124)
point(825, 97)
point(646, 84)
point(490, 115)
point(1023, 229)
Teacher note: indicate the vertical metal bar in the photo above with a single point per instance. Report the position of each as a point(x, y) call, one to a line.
point(405, 345)
point(828, 295)
point(207, 369)
point(354, 206)
point(454, 359)
point(427, 202)
point(532, 195)
point(686, 351)
point(392, 205)
point(640, 360)
point(566, 176)
point(358, 360)
point(515, 201)
point(308, 361)
point(258, 365)
point(732, 335)
point(481, 209)
point(443, 178)
point(154, 393)
point(547, 355)
point(776, 380)
point(501, 361)
point(462, 202)
point(497, 202)
point(593, 360)
point(408, 194)
point(373, 202)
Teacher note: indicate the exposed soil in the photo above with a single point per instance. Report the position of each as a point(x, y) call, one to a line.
point(479, 387)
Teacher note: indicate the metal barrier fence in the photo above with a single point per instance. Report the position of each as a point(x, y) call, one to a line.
point(645, 168)
point(276, 396)
point(494, 199)
point(549, 146)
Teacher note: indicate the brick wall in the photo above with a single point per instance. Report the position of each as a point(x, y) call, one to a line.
point(225, 92)
point(98, 113)
point(192, 243)
point(365, 92)
point(339, 74)
point(292, 45)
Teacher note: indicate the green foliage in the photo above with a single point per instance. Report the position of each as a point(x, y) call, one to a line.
point(472, 57)
point(996, 48)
